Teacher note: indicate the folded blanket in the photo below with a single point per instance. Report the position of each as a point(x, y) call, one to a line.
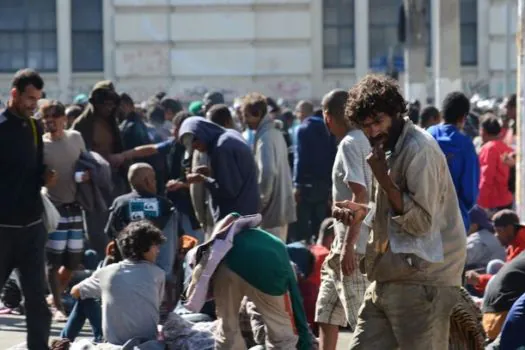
point(207, 257)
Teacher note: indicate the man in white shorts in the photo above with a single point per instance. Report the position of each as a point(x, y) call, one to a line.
point(342, 284)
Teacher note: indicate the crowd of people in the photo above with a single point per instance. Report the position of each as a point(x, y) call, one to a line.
point(255, 226)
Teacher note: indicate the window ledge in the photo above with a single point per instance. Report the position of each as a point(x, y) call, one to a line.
point(80, 75)
point(339, 70)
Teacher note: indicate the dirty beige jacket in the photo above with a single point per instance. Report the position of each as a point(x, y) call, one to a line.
point(430, 231)
point(274, 176)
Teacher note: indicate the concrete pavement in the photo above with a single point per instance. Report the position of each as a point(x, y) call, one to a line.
point(13, 332)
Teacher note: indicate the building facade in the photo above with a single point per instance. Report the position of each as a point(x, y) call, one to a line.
point(284, 48)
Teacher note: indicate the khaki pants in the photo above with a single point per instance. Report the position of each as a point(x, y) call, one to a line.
point(228, 290)
point(280, 231)
point(405, 316)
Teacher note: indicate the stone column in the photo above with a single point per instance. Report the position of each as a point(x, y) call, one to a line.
point(416, 50)
point(64, 57)
point(446, 37)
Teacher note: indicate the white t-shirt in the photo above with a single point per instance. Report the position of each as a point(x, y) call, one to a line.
point(350, 166)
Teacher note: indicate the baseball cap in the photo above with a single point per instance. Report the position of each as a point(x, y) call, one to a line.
point(195, 108)
point(478, 216)
point(80, 99)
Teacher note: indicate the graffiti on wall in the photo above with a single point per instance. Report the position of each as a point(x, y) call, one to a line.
point(152, 61)
point(198, 91)
point(290, 90)
point(477, 86)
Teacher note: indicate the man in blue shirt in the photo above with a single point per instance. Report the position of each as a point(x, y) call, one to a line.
point(459, 150)
point(313, 161)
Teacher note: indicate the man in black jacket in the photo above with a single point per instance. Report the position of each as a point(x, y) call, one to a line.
point(22, 233)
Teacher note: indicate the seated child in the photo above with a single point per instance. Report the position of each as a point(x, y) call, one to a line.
point(131, 290)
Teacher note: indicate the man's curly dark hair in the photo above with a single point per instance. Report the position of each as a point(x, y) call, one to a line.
point(372, 95)
point(137, 238)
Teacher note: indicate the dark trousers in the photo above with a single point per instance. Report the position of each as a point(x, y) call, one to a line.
point(95, 223)
point(312, 209)
point(24, 249)
point(87, 309)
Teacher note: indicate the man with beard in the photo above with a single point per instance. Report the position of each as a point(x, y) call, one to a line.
point(99, 128)
point(62, 149)
point(416, 254)
point(22, 233)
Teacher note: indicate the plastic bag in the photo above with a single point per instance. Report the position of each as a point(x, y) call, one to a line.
point(51, 216)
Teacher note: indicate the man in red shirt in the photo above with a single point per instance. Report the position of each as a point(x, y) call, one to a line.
point(511, 234)
point(494, 193)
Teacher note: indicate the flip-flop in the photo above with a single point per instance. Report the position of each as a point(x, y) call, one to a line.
point(58, 316)
point(5, 311)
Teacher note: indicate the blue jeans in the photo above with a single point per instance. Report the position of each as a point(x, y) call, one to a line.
point(168, 249)
point(84, 309)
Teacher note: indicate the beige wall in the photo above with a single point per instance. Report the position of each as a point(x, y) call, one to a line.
point(188, 47)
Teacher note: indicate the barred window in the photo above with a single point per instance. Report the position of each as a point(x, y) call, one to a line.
point(87, 36)
point(28, 36)
point(338, 34)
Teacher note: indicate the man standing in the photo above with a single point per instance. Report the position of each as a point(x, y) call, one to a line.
point(22, 233)
point(494, 191)
point(233, 187)
point(459, 150)
point(133, 129)
point(62, 149)
point(99, 128)
point(313, 161)
point(275, 181)
point(416, 254)
point(342, 284)
point(211, 99)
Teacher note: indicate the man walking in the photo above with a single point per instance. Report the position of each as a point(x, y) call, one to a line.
point(416, 254)
point(22, 233)
point(62, 149)
point(342, 284)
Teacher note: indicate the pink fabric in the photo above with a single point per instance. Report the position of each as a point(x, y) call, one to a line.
point(220, 246)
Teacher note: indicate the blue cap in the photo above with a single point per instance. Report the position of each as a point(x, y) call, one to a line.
point(81, 99)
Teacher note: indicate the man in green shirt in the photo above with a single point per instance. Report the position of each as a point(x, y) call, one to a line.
point(258, 266)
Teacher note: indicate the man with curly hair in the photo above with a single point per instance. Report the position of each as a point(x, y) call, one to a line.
point(131, 290)
point(416, 252)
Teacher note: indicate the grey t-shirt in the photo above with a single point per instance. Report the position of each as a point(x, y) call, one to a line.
point(482, 247)
point(61, 156)
point(131, 294)
point(350, 166)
